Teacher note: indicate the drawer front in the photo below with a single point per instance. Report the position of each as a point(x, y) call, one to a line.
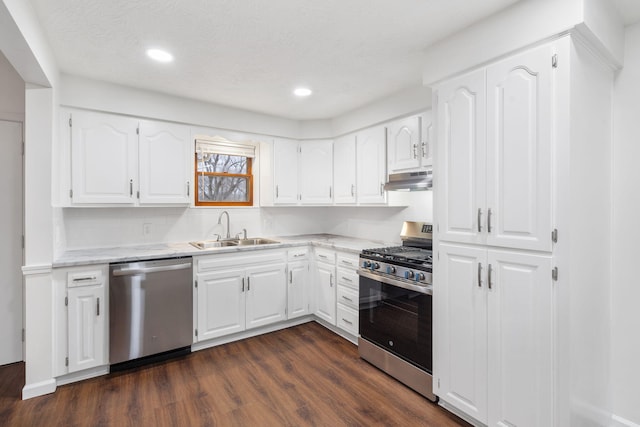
point(295, 254)
point(348, 278)
point(240, 258)
point(348, 260)
point(85, 277)
point(348, 297)
point(326, 256)
point(348, 319)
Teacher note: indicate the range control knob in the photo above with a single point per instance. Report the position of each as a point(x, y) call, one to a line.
point(419, 277)
point(366, 264)
point(375, 266)
point(408, 274)
point(391, 269)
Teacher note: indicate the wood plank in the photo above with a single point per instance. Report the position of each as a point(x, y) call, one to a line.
point(304, 375)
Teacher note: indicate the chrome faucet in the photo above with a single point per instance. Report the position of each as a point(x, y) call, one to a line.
point(244, 232)
point(220, 222)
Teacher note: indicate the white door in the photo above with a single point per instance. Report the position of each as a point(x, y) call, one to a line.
point(344, 170)
point(165, 159)
point(221, 303)
point(460, 307)
point(404, 144)
point(87, 327)
point(461, 158)
point(325, 287)
point(298, 292)
point(11, 228)
point(519, 151)
point(371, 165)
point(104, 161)
point(520, 340)
point(285, 172)
point(316, 172)
point(266, 295)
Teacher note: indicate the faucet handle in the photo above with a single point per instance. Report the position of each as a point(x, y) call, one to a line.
point(244, 234)
point(217, 236)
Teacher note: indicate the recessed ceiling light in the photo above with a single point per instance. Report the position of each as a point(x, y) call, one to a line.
point(302, 91)
point(159, 55)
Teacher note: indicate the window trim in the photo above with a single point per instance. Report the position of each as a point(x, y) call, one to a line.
point(248, 176)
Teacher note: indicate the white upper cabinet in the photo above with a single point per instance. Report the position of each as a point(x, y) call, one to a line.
point(121, 160)
point(371, 165)
point(494, 158)
point(316, 172)
point(165, 163)
point(344, 170)
point(408, 144)
point(285, 172)
point(519, 151)
point(104, 160)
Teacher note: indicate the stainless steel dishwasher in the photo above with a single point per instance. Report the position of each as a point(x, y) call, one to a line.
point(150, 311)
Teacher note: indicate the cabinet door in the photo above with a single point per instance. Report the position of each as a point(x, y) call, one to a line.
point(344, 170)
point(371, 165)
point(221, 303)
point(103, 158)
point(165, 163)
point(460, 305)
point(520, 340)
point(87, 327)
point(266, 295)
point(519, 151)
point(285, 173)
point(298, 292)
point(316, 172)
point(461, 181)
point(404, 144)
point(325, 290)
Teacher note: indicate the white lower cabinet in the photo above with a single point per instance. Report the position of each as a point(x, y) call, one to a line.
point(237, 292)
point(494, 334)
point(347, 292)
point(325, 285)
point(80, 318)
point(298, 298)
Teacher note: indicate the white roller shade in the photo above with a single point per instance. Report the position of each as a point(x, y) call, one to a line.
point(218, 145)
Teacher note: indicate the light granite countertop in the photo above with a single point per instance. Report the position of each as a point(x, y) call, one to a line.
point(172, 250)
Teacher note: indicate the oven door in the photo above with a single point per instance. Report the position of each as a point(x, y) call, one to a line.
point(396, 319)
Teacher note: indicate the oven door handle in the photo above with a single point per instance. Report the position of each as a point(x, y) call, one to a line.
point(421, 289)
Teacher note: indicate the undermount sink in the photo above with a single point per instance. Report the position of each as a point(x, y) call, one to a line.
point(210, 244)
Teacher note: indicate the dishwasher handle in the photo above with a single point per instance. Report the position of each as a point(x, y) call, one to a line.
point(134, 271)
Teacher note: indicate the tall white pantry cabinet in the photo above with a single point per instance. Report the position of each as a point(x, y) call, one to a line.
point(522, 143)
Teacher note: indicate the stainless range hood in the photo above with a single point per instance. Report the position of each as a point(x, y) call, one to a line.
point(410, 181)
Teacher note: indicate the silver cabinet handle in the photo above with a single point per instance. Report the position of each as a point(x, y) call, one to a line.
point(346, 279)
point(248, 284)
point(98, 307)
point(133, 271)
point(489, 274)
point(415, 151)
point(331, 280)
point(84, 279)
point(479, 220)
point(489, 220)
point(188, 190)
point(290, 276)
point(424, 149)
point(381, 188)
point(479, 275)
point(353, 190)
point(347, 321)
point(130, 188)
point(322, 256)
point(276, 191)
point(243, 284)
point(347, 298)
point(298, 255)
point(330, 193)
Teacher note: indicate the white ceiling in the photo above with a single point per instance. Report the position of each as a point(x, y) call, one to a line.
point(250, 54)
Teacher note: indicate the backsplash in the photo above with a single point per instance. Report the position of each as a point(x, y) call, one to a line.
point(79, 228)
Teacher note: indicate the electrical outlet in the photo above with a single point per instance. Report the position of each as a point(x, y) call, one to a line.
point(146, 229)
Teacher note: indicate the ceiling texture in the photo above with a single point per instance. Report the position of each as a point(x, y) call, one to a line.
point(251, 54)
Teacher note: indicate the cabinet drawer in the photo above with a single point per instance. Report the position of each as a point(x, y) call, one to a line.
point(348, 297)
point(241, 258)
point(348, 260)
point(326, 256)
point(85, 278)
point(348, 319)
point(295, 254)
point(348, 278)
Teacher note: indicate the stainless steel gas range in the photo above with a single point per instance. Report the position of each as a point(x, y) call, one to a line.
point(395, 308)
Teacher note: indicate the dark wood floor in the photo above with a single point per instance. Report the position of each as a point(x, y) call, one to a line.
point(300, 376)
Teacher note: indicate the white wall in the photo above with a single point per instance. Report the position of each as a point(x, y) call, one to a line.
point(625, 371)
point(12, 90)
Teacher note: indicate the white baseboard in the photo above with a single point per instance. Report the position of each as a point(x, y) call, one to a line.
point(338, 331)
point(83, 375)
point(460, 414)
point(38, 389)
point(617, 421)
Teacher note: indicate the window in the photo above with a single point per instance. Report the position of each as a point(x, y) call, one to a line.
point(223, 173)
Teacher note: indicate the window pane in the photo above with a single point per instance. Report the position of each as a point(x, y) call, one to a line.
point(222, 163)
point(222, 189)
